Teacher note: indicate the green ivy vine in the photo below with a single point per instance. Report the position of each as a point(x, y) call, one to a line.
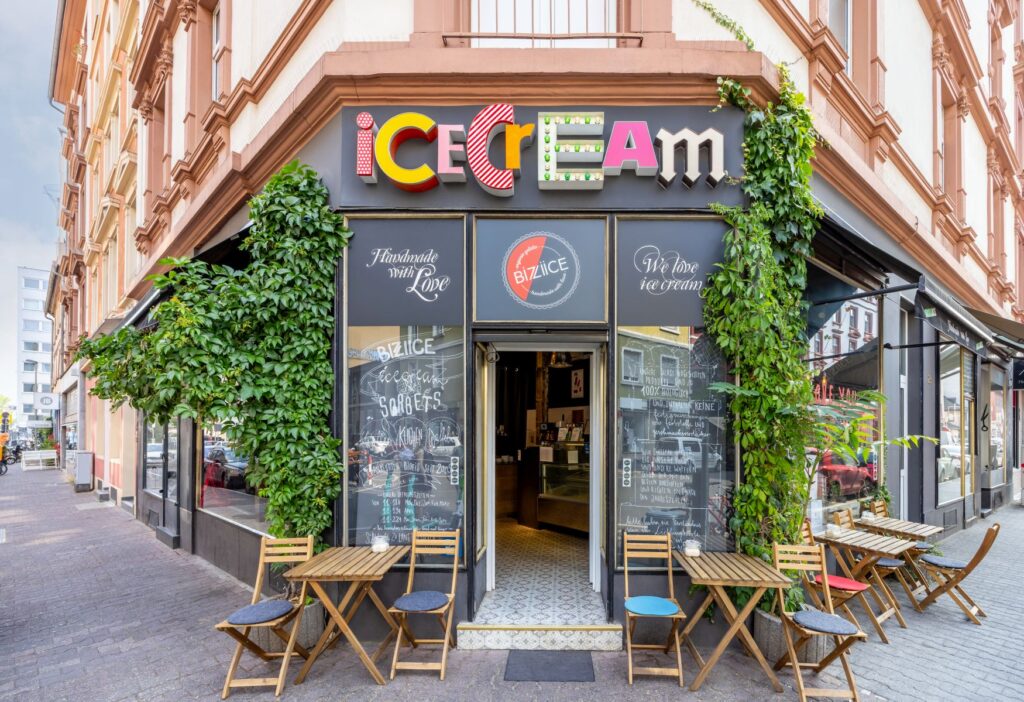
point(754, 309)
point(251, 349)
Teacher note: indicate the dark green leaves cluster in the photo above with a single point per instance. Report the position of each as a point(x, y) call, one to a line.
point(250, 348)
point(754, 310)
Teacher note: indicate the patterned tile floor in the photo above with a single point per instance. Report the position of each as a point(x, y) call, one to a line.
point(541, 578)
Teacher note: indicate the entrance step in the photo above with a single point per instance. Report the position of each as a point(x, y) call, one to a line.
point(540, 637)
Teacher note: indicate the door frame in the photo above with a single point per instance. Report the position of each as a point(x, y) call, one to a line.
point(597, 433)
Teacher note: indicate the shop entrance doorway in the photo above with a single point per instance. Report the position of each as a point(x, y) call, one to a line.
point(542, 463)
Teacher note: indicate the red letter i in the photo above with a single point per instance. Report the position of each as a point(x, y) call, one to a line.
point(366, 166)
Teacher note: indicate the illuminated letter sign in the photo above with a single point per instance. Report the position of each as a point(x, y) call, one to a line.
point(366, 167)
point(448, 151)
point(408, 125)
point(489, 123)
point(572, 162)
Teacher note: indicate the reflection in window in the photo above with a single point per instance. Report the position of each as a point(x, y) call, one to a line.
point(153, 478)
point(997, 427)
point(224, 486)
point(673, 455)
point(952, 449)
point(406, 439)
point(848, 329)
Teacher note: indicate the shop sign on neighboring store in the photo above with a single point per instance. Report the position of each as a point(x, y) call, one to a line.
point(662, 267)
point(540, 270)
point(466, 157)
point(1018, 374)
point(406, 271)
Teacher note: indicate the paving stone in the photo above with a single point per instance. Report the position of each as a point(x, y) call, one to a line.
point(95, 608)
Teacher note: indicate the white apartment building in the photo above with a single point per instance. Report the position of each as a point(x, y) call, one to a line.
point(34, 399)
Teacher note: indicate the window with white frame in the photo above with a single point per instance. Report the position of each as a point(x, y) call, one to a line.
point(632, 366)
point(32, 325)
point(34, 305)
point(669, 371)
point(30, 345)
point(215, 34)
point(33, 284)
point(839, 23)
point(539, 24)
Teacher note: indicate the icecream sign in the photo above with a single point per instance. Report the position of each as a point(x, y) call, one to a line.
point(573, 151)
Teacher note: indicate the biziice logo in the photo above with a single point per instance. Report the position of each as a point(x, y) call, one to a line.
point(541, 270)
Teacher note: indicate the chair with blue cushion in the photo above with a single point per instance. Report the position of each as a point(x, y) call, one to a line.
point(948, 573)
point(805, 624)
point(652, 549)
point(444, 544)
point(273, 614)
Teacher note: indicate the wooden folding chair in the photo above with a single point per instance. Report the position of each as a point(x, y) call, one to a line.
point(843, 590)
point(649, 547)
point(884, 567)
point(268, 614)
point(948, 573)
point(808, 623)
point(440, 604)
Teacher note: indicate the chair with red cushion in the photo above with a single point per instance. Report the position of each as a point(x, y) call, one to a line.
point(842, 590)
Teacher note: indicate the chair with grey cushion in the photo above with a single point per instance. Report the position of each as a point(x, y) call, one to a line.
point(948, 573)
point(274, 615)
point(429, 602)
point(807, 623)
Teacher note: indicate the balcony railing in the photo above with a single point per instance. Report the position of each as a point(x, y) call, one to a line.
point(540, 24)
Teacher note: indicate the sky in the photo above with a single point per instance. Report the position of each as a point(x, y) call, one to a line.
point(30, 176)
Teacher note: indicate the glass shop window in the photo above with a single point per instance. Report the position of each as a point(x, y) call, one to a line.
point(997, 427)
point(406, 431)
point(226, 487)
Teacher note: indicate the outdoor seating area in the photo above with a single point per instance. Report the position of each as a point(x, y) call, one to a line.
point(867, 551)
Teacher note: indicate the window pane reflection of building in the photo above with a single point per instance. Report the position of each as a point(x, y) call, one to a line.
point(224, 485)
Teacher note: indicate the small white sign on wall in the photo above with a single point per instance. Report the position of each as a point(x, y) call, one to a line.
point(577, 384)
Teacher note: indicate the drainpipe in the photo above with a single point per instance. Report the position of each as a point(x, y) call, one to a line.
point(61, 6)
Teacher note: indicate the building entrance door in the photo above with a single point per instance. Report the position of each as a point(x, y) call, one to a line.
point(160, 479)
point(541, 462)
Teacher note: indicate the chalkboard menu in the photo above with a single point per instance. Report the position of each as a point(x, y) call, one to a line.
point(673, 465)
point(406, 456)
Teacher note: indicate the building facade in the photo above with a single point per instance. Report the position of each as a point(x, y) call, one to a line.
point(555, 239)
point(35, 402)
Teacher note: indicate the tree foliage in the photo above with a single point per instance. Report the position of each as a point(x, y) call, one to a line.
point(249, 348)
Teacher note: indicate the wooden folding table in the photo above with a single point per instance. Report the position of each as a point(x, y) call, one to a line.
point(361, 568)
point(717, 571)
point(913, 531)
point(871, 547)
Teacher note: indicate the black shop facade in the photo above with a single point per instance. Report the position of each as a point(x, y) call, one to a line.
point(519, 343)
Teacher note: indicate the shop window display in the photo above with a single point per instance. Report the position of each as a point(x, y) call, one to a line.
point(955, 466)
point(997, 427)
point(674, 465)
point(224, 486)
point(406, 431)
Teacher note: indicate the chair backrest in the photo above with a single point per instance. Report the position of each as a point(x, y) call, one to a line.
point(844, 518)
point(979, 555)
point(647, 547)
point(280, 551)
point(879, 508)
point(806, 559)
point(806, 533)
point(434, 543)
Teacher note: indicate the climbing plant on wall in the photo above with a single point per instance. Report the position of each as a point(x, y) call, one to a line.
point(754, 309)
point(251, 349)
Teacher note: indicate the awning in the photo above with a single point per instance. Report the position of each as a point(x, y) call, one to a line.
point(1005, 331)
point(944, 313)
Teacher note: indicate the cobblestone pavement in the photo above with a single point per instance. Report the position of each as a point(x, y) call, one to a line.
point(92, 607)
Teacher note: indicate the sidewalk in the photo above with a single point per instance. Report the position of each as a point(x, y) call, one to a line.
point(92, 607)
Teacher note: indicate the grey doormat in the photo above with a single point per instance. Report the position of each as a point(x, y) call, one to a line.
point(549, 666)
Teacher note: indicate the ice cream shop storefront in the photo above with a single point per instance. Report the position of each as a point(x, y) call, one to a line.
point(521, 335)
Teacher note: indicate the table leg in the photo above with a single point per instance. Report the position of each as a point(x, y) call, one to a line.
point(388, 619)
point(745, 636)
point(325, 638)
point(694, 618)
point(887, 593)
point(737, 622)
point(340, 622)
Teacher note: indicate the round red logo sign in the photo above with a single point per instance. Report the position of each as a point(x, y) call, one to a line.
point(541, 270)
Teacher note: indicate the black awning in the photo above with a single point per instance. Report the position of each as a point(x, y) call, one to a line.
point(1005, 331)
point(944, 313)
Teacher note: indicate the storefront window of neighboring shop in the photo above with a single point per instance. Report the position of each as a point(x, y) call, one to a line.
point(956, 423)
point(844, 356)
point(406, 430)
point(997, 427)
point(224, 487)
point(161, 451)
point(674, 465)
